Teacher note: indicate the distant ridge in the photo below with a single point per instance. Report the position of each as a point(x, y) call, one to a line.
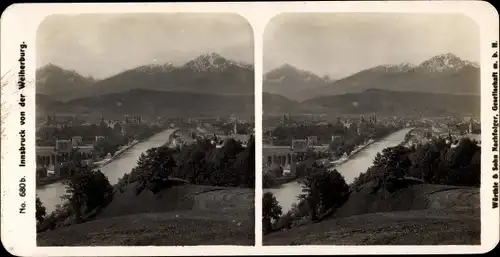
point(152, 103)
point(382, 102)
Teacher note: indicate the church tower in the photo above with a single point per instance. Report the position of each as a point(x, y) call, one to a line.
point(470, 126)
point(102, 123)
point(235, 126)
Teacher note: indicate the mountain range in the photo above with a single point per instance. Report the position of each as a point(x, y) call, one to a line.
point(150, 103)
point(208, 73)
point(382, 102)
point(213, 85)
point(444, 74)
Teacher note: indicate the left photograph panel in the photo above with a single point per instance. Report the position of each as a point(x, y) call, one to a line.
point(145, 130)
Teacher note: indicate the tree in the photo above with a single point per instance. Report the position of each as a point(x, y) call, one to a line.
point(391, 165)
point(305, 167)
point(436, 162)
point(87, 190)
point(117, 129)
point(223, 164)
point(268, 179)
point(193, 161)
point(40, 210)
point(324, 190)
point(41, 172)
point(271, 211)
point(98, 191)
point(78, 172)
point(245, 165)
point(277, 171)
point(464, 164)
point(154, 168)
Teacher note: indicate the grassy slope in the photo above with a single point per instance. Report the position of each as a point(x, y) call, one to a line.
point(182, 215)
point(419, 214)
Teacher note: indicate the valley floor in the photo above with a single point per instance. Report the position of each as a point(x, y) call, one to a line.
point(181, 215)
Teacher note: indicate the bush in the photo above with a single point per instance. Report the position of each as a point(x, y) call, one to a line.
point(268, 179)
point(57, 218)
point(271, 211)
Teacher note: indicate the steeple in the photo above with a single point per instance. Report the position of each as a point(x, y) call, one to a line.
point(235, 128)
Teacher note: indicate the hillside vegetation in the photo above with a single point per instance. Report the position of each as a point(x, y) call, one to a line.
point(181, 215)
point(427, 194)
point(195, 195)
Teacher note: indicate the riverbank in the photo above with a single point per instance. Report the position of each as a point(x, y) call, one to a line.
point(356, 150)
point(332, 165)
point(54, 179)
point(104, 162)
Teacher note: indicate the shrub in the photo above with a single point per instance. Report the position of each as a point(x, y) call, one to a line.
point(268, 179)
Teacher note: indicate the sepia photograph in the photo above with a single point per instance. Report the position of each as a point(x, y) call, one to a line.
point(145, 130)
point(371, 129)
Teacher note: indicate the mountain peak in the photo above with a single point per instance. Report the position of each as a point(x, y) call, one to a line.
point(287, 66)
point(212, 55)
point(402, 67)
point(211, 61)
point(445, 62)
point(154, 68)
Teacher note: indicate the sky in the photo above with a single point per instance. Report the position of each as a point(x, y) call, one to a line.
point(101, 45)
point(339, 45)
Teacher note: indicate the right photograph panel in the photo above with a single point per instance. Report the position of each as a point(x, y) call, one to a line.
point(371, 129)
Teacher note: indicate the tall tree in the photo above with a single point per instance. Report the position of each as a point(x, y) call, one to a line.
point(154, 168)
point(40, 210)
point(324, 190)
point(271, 211)
point(245, 165)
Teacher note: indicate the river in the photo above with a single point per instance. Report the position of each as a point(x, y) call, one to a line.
point(50, 195)
point(287, 194)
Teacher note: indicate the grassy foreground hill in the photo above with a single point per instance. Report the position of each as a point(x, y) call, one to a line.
point(181, 215)
point(417, 215)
